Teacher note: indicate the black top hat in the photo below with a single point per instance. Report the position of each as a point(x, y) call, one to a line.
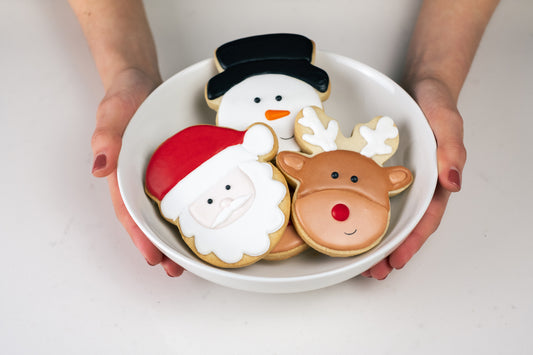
point(280, 53)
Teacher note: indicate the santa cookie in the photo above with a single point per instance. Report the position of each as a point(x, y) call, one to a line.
point(341, 205)
point(269, 79)
point(216, 184)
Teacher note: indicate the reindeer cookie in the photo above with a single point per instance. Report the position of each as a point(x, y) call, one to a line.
point(341, 204)
point(216, 184)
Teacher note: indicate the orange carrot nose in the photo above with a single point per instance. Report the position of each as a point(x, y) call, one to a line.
point(272, 115)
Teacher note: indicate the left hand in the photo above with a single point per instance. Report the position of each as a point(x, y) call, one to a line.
point(125, 94)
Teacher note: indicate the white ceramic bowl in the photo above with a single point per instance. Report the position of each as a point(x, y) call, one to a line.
point(358, 94)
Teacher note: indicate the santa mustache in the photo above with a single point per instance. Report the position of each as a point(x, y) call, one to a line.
point(229, 209)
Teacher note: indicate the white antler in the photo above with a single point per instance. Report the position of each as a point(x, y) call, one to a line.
point(321, 137)
point(376, 138)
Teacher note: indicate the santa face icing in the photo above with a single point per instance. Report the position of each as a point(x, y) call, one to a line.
point(225, 201)
point(245, 231)
point(273, 99)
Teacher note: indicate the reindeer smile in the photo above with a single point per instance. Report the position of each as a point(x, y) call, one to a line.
point(352, 232)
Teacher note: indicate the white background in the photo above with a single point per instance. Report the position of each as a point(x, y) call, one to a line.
point(72, 282)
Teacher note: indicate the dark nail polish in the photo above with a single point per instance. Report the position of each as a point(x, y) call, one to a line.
point(100, 162)
point(455, 178)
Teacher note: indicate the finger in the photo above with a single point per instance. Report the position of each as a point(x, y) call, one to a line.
point(366, 274)
point(152, 255)
point(172, 269)
point(112, 117)
point(427, 226)
point(381, 270)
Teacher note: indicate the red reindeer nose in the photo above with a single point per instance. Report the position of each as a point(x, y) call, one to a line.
point(340, 212)
point(272, 115)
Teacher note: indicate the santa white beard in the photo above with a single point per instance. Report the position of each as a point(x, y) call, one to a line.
point(250, 233)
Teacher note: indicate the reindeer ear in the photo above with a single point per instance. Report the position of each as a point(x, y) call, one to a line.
point(399, 177)
point(291, 164)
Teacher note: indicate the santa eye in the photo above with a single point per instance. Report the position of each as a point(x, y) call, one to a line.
point(257, 100)
point(210, 201)
point(354, 179)
point(334, 175)
point(228, 187)
point(278, 98)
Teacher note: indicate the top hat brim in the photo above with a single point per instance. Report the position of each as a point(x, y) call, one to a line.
point(299, 69)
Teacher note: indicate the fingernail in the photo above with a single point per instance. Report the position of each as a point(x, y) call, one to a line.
point(455, 178)
point(100, 162)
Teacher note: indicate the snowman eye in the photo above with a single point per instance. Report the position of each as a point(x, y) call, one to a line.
point(210, 201)
point(257, 100)
point(278, 98)
point(228, 187)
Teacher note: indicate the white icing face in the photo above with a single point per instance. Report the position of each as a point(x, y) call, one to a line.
point(224, 202)
point(244, 233)
point(273, 99)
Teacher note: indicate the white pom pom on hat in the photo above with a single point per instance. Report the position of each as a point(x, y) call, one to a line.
point(259, 140)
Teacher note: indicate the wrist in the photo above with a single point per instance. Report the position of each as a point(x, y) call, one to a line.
point(433, 95)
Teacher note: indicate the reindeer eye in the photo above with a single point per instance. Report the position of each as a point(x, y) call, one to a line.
point(334, 175)
point(257, 100)
point(278, 98)
point(354, 178)
point(228, 187)
point(210, 201)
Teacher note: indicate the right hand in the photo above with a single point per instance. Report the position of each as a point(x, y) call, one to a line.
point(128, 90)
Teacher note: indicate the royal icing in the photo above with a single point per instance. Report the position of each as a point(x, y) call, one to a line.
point(322, 137)
point(248, 233)
point(376, 138)
point(254, 99)
point(286, 54)
point(275, 46)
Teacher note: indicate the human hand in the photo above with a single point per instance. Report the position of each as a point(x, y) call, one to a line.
point(127, 91)
point(439, 106)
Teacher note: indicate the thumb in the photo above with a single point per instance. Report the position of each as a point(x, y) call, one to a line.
point(112, 117)
point(441, 112)
point(129, 89)
point(447, 126)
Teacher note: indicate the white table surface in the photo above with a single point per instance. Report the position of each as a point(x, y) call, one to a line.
point(73, 283)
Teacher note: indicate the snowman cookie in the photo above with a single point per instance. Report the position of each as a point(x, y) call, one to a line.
point(269, 79)
point(216, 184)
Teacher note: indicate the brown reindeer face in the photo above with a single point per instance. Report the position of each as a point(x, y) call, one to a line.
point(341, 205)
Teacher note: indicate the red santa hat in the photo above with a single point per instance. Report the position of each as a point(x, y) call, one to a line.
point(189, 162)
